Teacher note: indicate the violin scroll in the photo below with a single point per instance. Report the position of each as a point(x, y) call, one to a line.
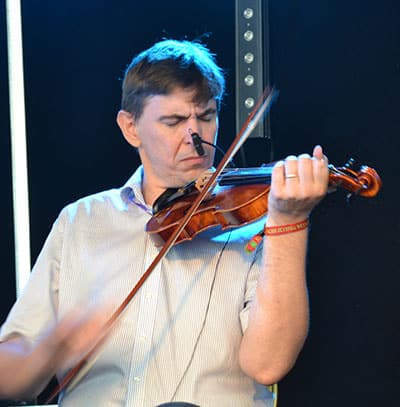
point(365, 182)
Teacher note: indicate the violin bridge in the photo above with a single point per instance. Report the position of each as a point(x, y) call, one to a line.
point(203, 179)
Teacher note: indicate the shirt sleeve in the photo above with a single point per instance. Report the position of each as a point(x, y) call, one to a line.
point(251, 286)
point(34, 312)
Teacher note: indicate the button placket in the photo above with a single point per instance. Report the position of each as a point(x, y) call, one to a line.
point(144, 330)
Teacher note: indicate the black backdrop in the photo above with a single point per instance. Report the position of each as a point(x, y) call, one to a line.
point(337, 66)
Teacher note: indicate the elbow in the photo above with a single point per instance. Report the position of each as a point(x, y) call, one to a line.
point(266, 373)
point(268, 377)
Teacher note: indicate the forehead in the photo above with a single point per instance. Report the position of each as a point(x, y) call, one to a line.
point(180, 100)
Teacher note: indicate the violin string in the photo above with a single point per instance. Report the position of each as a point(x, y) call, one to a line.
point(245, 176)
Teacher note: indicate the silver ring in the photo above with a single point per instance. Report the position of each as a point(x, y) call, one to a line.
point(291, 176)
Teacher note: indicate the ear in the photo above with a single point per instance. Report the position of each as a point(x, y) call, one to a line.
point(126, 123)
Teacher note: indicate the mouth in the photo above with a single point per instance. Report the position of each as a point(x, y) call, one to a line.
point(195, 159)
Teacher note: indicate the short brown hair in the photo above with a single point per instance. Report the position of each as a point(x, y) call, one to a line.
point(167, 65)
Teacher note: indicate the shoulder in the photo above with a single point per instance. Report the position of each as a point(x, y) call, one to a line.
point(101, 204)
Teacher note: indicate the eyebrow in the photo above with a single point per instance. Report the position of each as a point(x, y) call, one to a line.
point(210, 110)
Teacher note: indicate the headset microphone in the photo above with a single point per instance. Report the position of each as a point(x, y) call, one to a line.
point(197, 142)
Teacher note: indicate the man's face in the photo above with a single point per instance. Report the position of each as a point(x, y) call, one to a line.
point(164, 142)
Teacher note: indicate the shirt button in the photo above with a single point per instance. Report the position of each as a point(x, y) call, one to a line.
point(136, 379)
point(143, 337)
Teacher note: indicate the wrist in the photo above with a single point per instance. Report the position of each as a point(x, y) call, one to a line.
point(274, 229)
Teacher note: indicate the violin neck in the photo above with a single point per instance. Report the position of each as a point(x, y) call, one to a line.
point(246, 176)
point(364, 181)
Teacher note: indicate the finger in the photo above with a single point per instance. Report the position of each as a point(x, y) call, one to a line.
point(278, 174)
point(321, 172)
point(318, 153)
point(305, 168)
point(291, 170)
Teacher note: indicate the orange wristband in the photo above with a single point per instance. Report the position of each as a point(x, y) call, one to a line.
point(285, 229)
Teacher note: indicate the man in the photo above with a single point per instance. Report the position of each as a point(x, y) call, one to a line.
point(212, 325)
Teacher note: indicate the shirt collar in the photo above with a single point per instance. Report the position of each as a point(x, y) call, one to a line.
point(132, 191)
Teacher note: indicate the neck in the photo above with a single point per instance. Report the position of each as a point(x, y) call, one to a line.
point(151, 194)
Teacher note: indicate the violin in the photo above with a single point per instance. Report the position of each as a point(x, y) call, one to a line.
point(240, 198)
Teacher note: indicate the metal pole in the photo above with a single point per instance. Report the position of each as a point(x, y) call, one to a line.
point(18, 144)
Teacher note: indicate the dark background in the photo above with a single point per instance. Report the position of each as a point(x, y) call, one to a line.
point(337, 66)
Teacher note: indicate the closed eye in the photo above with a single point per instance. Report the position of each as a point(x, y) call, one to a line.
point(172, 120)
point(208, 115)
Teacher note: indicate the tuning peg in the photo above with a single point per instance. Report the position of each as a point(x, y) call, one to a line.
point(350, 163)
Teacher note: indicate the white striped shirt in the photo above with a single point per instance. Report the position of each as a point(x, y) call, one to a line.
point(178, 339)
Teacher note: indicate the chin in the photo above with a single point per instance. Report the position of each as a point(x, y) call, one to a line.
point(187, 177)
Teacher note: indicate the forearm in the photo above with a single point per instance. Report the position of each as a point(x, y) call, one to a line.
point(278, 320)
point(63, 347)
point(25, 371)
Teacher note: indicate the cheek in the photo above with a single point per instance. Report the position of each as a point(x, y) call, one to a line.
point(161, 144)
point(163, 153)
point(156, 141)
point(210, 132)
point(168, 150)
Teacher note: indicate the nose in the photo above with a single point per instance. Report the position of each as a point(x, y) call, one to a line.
point(188, 135)
point(195, 139)
point(192, 125)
